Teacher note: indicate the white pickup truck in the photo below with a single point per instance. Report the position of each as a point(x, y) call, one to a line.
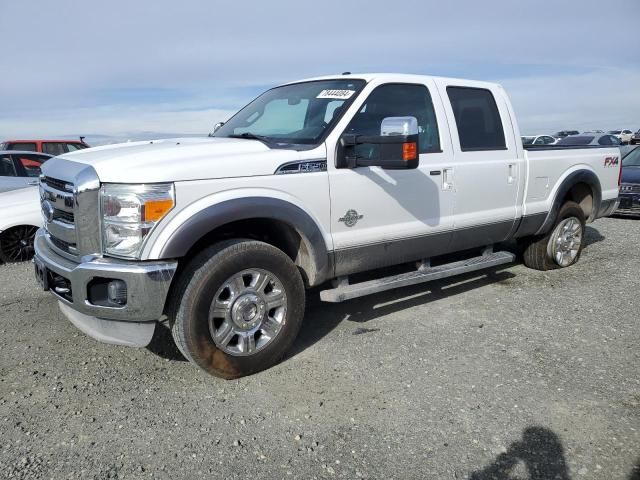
point(309, 184)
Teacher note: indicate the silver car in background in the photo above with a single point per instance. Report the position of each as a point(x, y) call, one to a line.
point(20, 169)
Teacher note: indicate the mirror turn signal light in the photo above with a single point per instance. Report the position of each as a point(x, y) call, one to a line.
point(409, 151)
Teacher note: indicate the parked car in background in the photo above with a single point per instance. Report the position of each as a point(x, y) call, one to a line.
point(51, 147)
point(538, 140)
point(635, 138)
point(566, 133)
point(589, 139)
point(20, 169)
point(20, 218)
point(623, 135)
point(630, 184)
point(593, 131)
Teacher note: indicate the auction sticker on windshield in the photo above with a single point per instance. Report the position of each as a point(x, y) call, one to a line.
point(337, 94)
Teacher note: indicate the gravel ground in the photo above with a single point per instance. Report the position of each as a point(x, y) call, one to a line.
point(514, 374)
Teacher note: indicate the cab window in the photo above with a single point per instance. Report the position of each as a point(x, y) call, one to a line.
point(31, 164)
point(477, 119)
point(24, 146)
point(396, 100)
point(7, 169)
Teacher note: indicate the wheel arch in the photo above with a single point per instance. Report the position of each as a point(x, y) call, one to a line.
point(275, 221)
point(581, 186)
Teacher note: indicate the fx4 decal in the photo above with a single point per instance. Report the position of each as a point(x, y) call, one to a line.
point(611, 161)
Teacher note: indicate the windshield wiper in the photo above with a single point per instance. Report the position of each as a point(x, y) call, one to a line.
point(252, 136)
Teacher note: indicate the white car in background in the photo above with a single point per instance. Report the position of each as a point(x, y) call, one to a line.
point(623, 135)
point(20, 217)
point(539, 140)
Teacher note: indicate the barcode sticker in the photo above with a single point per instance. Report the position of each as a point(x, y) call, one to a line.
point(337, 94)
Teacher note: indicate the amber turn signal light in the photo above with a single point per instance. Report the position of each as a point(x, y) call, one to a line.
point(154, 210)
point(409, 151)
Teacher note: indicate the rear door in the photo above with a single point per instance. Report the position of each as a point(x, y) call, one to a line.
point(487, 167)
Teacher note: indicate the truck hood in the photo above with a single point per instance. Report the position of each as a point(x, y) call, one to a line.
point(181, 159)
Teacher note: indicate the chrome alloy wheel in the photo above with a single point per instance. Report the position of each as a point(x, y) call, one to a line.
point(566, 241)
point(247, 312)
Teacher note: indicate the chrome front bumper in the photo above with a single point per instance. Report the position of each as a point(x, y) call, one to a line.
point(147, 283)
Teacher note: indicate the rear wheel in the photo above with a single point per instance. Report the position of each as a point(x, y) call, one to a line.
point(237, 308)
point(16, 244)
point(562, 246)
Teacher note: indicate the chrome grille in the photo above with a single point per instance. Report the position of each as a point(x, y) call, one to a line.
point(69, 193)
point(58, 213)
point(58, 184)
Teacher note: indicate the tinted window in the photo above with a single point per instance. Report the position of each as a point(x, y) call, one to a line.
point(605, 140)
point(477, 119)
point(614, 132)
point(397, 100)
point(539, 141)
point(27, 147)
point(549, 140)
point(632, 159)
point(54, 148)
point(7, 168)
point(31, 164)
point(575, 140)
point(527, 140)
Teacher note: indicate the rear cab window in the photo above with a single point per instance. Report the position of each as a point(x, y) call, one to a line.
point(477, 119)
point(24, 146)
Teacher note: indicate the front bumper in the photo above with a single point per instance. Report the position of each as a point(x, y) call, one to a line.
point(629, 204)
point(147, 283)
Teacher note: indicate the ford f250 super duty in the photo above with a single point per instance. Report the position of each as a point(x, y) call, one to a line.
point(310, 184)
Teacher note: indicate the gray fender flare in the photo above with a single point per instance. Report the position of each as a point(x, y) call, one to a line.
point(580, 176)
point(220, 214)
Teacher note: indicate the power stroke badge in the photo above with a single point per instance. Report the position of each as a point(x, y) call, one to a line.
point(350, 218)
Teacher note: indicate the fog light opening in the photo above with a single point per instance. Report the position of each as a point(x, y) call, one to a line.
point(117, 292)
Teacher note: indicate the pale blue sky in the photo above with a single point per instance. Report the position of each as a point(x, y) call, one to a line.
point(128, 69)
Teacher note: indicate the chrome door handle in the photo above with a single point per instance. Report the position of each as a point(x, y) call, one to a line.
point(447, 179)
point(33, 182)
point(512, 173)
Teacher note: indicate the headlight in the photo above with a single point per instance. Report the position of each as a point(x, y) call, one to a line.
point(129, 213)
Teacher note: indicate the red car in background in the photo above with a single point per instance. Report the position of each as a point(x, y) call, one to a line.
point(50, 147)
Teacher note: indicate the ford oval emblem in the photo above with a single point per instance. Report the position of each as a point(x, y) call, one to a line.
point(48, 210)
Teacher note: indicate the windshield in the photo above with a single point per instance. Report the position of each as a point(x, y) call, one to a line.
point(614, 132)
point(527, 140)
point(632, 159)
point(300, 113)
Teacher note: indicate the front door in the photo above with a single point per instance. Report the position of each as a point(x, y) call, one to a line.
point(384, 217)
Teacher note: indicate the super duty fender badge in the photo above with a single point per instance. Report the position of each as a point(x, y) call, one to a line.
point(610, 161)
point(350, 218)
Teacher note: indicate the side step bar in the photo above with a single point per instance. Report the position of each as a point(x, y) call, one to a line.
point(344, 291)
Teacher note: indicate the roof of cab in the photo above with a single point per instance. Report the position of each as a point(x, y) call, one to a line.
point(399, 77)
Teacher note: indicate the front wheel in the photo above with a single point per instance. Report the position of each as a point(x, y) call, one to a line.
point(237, 308)
point(561, 247)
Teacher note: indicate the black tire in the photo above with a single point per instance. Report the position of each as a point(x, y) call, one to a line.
point(199, 283)
point(16, 244)
point(536, 249)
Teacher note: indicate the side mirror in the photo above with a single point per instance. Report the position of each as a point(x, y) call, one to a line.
point(395, 148)
point(216, 127)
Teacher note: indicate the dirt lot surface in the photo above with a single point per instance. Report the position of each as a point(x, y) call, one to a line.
point(515, 374)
